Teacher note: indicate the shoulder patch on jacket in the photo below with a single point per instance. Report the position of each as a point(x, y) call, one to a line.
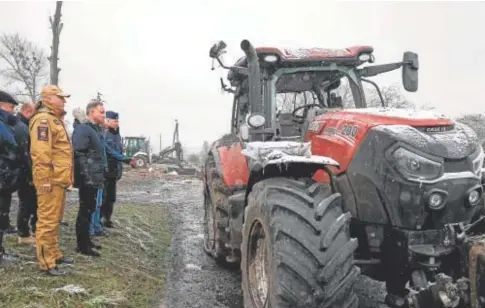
point(57, 122)
point(43, 121)
point(43, 133)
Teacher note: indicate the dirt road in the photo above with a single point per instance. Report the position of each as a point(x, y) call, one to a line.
point(194, 280)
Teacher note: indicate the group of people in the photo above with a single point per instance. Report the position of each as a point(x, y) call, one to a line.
point(40, 162)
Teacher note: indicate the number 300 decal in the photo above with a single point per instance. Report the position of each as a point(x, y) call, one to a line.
point(349, 130)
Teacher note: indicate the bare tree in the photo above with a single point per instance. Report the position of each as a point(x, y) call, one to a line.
point(56, 26)
point(23, 65)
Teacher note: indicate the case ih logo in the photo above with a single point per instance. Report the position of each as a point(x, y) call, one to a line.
point(438, 129)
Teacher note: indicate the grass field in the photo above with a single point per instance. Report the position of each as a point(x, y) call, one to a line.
point(130, 272)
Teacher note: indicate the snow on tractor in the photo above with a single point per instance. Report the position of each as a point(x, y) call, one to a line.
point(307, 191)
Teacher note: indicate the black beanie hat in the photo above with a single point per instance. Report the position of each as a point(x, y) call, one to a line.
point(7, 98)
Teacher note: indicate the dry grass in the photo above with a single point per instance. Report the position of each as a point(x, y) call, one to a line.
point(130, 272)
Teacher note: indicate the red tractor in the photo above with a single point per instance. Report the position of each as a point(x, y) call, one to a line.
point(309, 189)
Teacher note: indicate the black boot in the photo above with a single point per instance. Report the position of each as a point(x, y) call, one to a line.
point(92, 252)
point(108, 224)
point(55, 272)
point(95, 244)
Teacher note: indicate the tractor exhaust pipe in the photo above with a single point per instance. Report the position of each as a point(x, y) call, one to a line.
point(254, 77)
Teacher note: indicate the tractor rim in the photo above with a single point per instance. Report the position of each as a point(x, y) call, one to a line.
point(140, 162)
point(257, 265)
point(208, 225)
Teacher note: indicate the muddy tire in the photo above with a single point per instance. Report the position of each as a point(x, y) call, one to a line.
point(216, 218)
point(297, 251)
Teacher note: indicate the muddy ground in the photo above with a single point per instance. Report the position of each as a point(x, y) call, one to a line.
point(193, 279)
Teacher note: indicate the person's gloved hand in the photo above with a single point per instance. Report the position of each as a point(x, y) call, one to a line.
point(128, 160)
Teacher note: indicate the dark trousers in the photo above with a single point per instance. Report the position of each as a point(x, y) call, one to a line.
point(5, 202)
point(87, 205)
point(109, 199)
point(27, 209)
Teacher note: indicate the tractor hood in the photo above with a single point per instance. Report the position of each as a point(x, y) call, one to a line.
point(412, 117)
point(425, 130)
point(457, 142)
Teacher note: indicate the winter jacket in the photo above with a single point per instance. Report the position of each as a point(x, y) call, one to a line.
point(21, 130)
point(114, 148)
point(50, 148)
point(89, 153)
point(10, 164)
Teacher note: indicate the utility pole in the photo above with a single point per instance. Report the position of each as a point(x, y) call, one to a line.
point(160, 143)
point(56, 26)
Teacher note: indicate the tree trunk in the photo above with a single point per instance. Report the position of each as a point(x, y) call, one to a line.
point(56, 27)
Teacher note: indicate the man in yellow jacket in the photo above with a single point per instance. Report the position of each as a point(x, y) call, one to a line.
point(52, 169)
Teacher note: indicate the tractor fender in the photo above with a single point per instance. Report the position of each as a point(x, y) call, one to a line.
point(288, 159)
point(230, 163)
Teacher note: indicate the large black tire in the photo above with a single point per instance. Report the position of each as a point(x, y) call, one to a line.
point(216, 218)
point(309, 253)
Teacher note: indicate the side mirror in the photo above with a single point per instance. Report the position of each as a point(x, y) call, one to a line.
point(410, 71)
point(217, 49)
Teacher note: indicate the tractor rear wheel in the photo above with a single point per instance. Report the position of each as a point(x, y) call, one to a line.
point(297, 250)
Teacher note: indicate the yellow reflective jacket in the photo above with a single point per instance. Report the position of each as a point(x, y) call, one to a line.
point(50, 149)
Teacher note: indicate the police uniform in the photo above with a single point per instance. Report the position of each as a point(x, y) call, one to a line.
point(10, 166)
point(114, 169)
point(52, 164)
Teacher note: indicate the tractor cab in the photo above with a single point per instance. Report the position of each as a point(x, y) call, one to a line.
point(278, 92)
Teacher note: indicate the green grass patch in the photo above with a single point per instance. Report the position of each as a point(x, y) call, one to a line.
point(130, 272)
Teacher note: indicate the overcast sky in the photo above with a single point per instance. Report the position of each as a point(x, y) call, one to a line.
point(150, 58)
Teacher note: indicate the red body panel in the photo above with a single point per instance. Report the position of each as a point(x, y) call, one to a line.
point(333, 134)
point(303, 54)
point(338, 134)
point(234, 165)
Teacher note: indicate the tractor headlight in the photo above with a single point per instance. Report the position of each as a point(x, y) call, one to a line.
point(478, 163)
point(256, 120)
point(416, 167)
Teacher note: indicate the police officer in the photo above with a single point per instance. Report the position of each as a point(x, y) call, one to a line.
point(89, 165)
point(9, 163)
point(115, 168)
point(52, 168)
point(26, 192)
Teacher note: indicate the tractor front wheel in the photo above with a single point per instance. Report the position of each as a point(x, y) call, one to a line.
point(297, 250)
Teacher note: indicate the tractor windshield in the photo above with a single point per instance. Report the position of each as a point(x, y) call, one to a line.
point(321, 89)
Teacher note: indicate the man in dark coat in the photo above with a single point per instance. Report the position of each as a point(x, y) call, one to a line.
point(26, 193)
point(115, 168)
point(10, 164)
point(89, 167)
